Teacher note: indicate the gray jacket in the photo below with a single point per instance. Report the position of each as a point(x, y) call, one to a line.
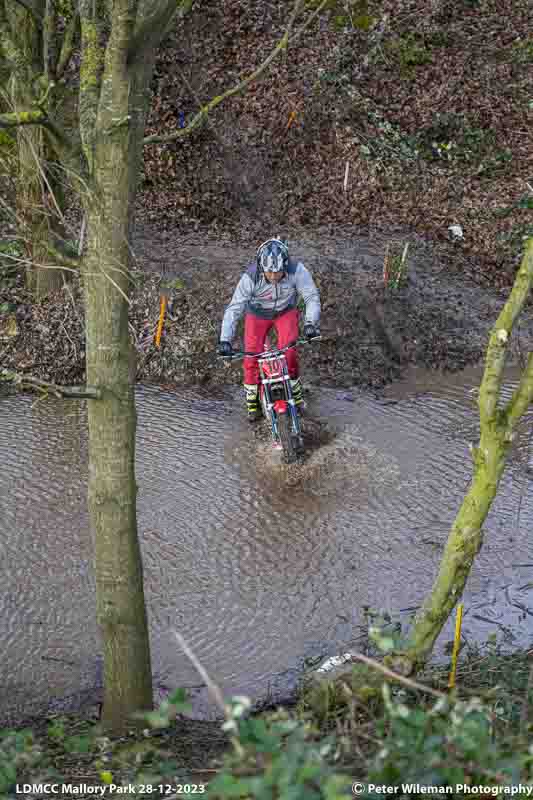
point(268, 300)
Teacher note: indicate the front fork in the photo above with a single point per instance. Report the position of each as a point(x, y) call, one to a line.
point(295, 420)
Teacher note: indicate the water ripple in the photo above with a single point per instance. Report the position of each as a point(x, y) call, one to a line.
point(252, 562)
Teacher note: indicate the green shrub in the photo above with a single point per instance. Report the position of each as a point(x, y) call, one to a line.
point(10, 251)
point(390, 143)
point(364, 22)
point(522, 52)
point(18, 753)
point(340, 21)
point(525, 202)
point(10, 247)
point(7, 143)
point(449, 743)
point(279, 757)
point(410, 52)
point(347, 13)
point(453, 137)
point(439, 38)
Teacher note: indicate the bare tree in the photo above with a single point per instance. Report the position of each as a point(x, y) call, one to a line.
point(119, 41)
point(497, 431)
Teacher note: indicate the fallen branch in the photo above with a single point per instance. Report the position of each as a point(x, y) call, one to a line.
point(47, 388)
point(203, 113)
point(409, 682)
point(213, 689)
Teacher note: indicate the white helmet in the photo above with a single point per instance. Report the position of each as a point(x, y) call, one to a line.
point(273, 256)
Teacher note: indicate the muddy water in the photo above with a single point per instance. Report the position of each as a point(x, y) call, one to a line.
point(257, 565)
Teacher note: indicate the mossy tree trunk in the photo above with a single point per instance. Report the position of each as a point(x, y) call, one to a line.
point(38, 221)
point(32, 224)
point(116, 71)
point(121, 609)
point(497, 430)
point(118, 47)
point(110, 121)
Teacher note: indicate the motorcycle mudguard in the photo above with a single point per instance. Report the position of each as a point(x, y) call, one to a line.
point(281, 406)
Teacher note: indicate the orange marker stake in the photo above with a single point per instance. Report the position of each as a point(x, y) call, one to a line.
point(291, 119)
point(161, 321)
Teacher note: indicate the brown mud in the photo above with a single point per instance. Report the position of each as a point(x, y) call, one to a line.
point(370, 333)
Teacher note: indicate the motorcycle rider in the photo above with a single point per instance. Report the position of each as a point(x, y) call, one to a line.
point(267, 294)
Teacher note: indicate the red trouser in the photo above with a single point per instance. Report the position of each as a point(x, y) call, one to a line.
point(255, 331)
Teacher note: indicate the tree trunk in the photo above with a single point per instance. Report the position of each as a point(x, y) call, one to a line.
point(113, 110)
point(112, 489)
point(497, 433)
point(34, 218)
point(37, 219)
point(118, 44)
point(464, 542)
point(112, 421)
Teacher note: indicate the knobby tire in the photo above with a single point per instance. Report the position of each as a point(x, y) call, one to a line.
point(290, 454)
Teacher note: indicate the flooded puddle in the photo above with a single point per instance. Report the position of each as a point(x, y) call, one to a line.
point(256, 564)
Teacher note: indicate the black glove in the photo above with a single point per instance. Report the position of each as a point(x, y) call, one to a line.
point(224, 349)
point(310, 331)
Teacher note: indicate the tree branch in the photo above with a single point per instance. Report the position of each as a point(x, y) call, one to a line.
point(50, 40)
point(395, 676)
point(150, 30)
point(522, 396)
point(65, 260)
point(9, 48)
point(13, 119)
point(67, 48)
point(496, 433)
point(203, 113)
point(36, 384)
point(34, 10)
point(113, 105)
point(91, 68)
point(497, 350)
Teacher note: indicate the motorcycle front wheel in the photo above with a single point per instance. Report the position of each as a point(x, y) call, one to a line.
point(287, 440)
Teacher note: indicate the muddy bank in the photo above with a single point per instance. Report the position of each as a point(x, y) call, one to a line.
point(440, 320)
point(430, 113)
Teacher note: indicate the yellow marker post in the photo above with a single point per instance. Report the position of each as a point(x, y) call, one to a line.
point(161, 320)
point(456, 642)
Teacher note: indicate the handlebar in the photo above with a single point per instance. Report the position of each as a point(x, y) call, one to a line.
point(273, 353)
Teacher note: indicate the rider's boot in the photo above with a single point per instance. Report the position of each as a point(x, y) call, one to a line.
point(252, 401)
point(297, 394)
